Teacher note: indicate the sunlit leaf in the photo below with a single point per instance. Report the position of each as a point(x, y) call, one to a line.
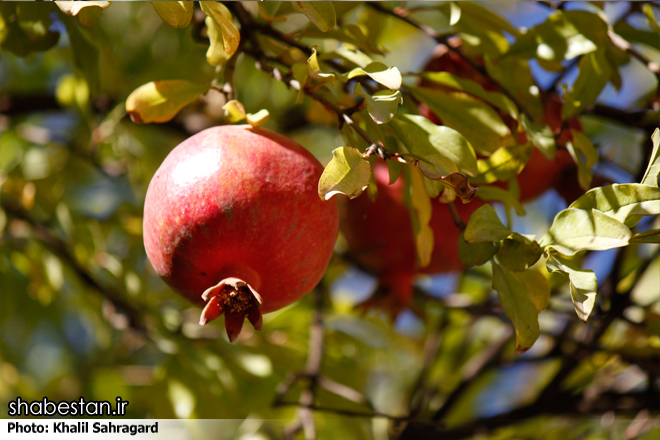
point(258, 119)
point(234, 111)
point(73, 8)
point(390, 77)
point(424, 138)
point(471, 117)
point(322, 14)
point(583, 283)
point(347, 173)
point(160, 101)
point(652, 174)
point(216, 54)
point(496, 99)
point(230, 35)
point(523, 296)
point(382, 105)
point(176, 14)
point(521, 86)
point(621, 201)
point(574, 230)
point(562, 36)
point(594, 74)
point(353, 55)
point(87, 12)
point(485, 225)
point(541, 136)
point(505, 163)
point(482, 29)
point(315, 71)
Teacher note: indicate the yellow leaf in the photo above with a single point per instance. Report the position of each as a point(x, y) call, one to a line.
point(222, 17)
point(175, 14)
point(160, 101)
point(421, 203)
point(234, 111)
point(347, 173)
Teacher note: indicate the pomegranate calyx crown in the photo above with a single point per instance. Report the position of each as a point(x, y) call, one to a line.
point(237, 300)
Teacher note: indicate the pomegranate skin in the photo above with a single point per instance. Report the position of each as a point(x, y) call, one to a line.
point(239, 202)
point(380, 238)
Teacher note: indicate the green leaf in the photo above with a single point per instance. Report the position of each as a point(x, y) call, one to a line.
point(650, 236)
point(594, 74)
point(541, 136)
point(583, 284)
point(301, 74)
point(518, 253)
point(477, 121)
point(390, 77)
point(478, 253)
point(562, 36)
point(652, 174)
point(505, 163)
point(160, 101)
point(423, 138)
point(175, 14)
point(421, 204)
point(215, 54)
point(582, 144)
point(496, 99)
point(352, 54)
point(347, 173)
point(322, 14)
point(523, 296)
point(485, 225)
point(230, 35)
point(521, 86)
point(483, 30)
point(315, 71)
point(497, 194)
point(621, 201)
point(575, 230)
point(382, 105)
point(648, 11)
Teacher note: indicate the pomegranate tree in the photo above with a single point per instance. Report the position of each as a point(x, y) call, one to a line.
point(233, 223)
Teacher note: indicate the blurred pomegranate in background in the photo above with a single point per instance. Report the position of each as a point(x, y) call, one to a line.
point(380, 239)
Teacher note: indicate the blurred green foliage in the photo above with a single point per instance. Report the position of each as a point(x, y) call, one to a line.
point(82, 312)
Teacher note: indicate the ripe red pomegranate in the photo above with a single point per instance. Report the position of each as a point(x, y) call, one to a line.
point(539, 174)
point(233, 222)
point(380, 239)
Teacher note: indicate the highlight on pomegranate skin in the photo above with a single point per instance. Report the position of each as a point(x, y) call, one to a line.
point(233, 223)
